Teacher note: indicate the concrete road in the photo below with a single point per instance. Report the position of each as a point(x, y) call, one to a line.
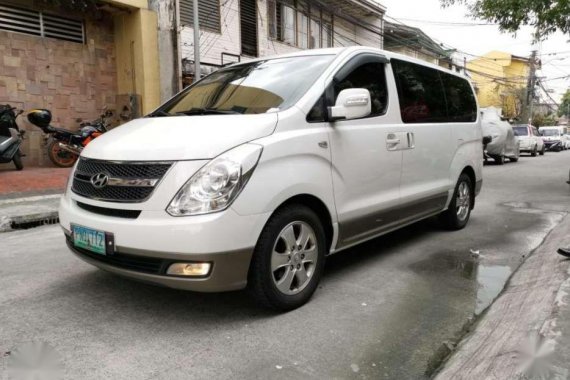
point(387, 309)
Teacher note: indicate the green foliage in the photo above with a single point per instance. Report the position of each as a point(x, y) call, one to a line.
point(547, 15)
point(564, 108)
point(540, 120)
point(82, 6)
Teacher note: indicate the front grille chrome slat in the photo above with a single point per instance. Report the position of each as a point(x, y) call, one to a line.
point(128, 181)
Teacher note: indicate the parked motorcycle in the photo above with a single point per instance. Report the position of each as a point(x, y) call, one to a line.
point(63, 145)
point(10, 137)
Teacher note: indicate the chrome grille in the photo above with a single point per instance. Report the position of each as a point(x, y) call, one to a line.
point(117, 172)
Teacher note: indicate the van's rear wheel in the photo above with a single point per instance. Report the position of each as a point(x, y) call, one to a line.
point(459, 211)
point(288, 260)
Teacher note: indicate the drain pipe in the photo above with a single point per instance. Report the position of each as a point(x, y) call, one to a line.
point(178, 46)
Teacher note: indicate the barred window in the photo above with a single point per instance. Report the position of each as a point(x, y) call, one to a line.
point(208, 14)
point(41, 24)
point(299, 23)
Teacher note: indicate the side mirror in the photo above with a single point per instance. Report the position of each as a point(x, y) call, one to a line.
point(352, 103)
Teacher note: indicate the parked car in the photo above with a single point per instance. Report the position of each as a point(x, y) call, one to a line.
point(566, 141)
point(552, 137)
point(529, 138)
point(257, 172)
point(503, 142)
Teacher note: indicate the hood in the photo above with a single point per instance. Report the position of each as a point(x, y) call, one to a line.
point(175, 138)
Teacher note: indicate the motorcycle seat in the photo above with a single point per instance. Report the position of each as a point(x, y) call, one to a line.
point(61, 130)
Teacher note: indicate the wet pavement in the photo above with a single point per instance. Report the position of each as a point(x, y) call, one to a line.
point(390, 308)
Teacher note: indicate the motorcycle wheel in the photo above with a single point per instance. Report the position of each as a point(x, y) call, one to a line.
point(60, 157)
point(17, 159)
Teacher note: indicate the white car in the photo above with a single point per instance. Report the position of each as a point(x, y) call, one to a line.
point(566, 140)
point(553, 138)
point(530, 140)
point(257, 172)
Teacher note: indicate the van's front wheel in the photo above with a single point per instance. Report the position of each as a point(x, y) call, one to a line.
point(288, 260)
point(459, 210)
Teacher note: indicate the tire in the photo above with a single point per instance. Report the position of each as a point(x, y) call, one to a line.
point(513, 159)
point(542, 151)
point(499, 160)
point(533, 152)
point(17, 159)
point(59, 157)
point(275, 279)
point(451, 218)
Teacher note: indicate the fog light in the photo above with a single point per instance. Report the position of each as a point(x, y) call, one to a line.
point(189, 269)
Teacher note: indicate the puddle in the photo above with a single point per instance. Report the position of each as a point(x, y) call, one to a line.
point(486, 281)
point(491, 281)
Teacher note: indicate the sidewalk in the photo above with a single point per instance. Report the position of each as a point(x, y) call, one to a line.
point(31, 181)
point(525, 334)
point(31, 196)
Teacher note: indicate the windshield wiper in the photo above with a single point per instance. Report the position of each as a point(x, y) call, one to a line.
point(206, 111)
point(159, 113)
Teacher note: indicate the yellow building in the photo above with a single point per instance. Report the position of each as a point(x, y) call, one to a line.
point(500, 79)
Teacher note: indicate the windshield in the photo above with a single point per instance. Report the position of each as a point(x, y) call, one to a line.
point(520, 131)
point(249, 88)
point(550, 132)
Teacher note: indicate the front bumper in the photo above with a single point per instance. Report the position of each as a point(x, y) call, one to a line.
point(229, 269)
point(145, 246)
point(553, 145)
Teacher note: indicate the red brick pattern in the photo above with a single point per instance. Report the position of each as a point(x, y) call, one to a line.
point(75, 81)
point(31, 181)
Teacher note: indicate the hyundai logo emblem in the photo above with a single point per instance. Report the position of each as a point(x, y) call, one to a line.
point(99, 180)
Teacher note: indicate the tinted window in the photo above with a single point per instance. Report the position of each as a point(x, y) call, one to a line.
point(251, 88)
point(420, 91)
point(520, 131)
point(461, 104)
point(369, 75)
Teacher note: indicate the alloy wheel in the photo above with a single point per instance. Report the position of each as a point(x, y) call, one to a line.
point(463, 201)
point(294, 257)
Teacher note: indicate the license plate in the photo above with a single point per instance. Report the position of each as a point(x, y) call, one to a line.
point(90, 239)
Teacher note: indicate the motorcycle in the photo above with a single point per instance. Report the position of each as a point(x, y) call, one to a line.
point(65, 146)
point(10, 137)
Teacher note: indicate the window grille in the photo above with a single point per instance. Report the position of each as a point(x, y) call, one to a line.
point(41, 24)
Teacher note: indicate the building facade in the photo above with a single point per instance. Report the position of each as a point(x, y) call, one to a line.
point(77, 63)
point(501, 81)
point(237, 30)
point(413, 42)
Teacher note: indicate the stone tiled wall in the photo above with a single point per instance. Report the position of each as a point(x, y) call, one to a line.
point(75, 81)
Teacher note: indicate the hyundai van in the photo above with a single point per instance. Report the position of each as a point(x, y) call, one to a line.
point(253, 175)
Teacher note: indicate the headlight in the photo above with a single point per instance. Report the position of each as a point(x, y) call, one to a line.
point(215, 186)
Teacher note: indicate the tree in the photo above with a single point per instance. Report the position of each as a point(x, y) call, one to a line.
point(541, 120)
point(564, 108)
point(546, 15)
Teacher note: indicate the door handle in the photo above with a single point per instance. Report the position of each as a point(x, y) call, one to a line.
point(411, 140)
point(392, 141)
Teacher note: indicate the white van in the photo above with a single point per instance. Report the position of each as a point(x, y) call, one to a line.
point(256, 173)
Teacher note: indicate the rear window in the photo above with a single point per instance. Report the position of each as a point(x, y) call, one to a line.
point(431, 96)
point(520, 131)
point(550, 132)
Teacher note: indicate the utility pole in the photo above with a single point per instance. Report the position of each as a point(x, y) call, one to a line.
point(196, 42)
point(531, 82)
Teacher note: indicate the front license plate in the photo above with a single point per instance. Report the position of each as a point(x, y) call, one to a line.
point(90, 239)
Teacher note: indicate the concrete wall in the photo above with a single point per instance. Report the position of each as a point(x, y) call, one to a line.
point(73, 80)
point(136, 43)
